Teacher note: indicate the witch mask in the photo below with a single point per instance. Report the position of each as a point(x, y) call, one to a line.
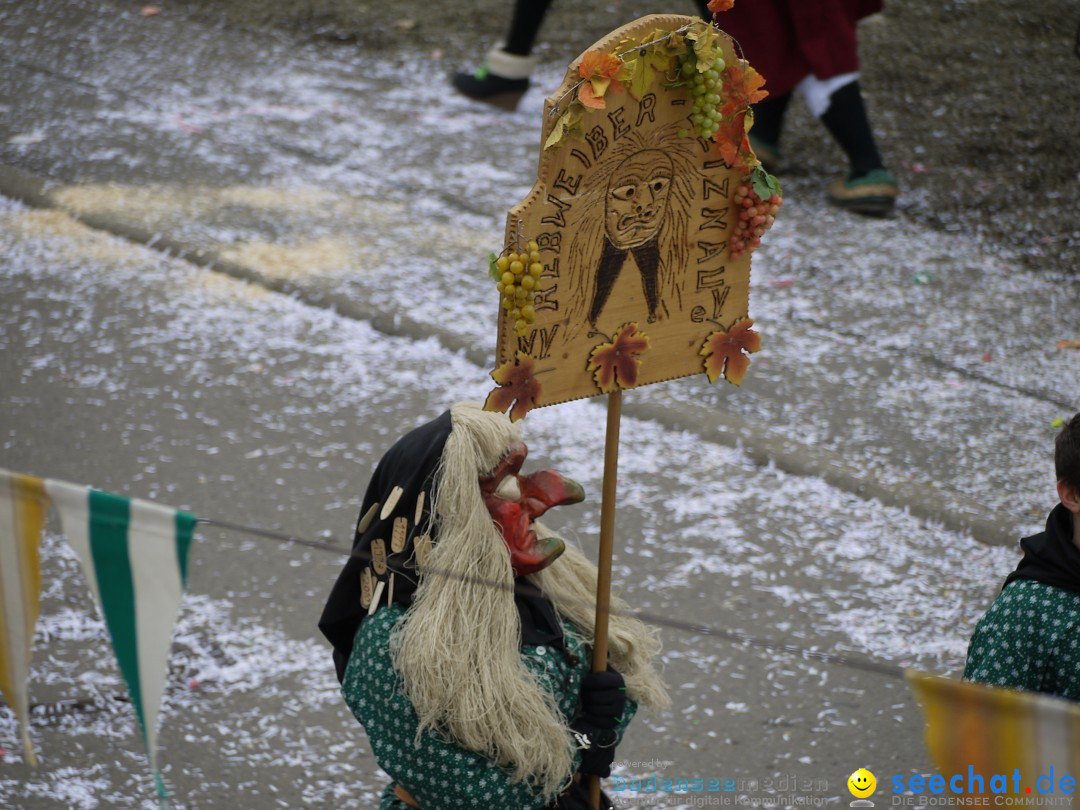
point(515, 501)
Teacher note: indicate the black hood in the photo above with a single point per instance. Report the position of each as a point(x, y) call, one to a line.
point(1051, 557)
point(395, 519)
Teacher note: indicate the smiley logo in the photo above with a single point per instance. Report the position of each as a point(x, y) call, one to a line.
point(861, 783)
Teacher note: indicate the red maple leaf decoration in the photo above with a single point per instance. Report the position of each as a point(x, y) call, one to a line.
point(731, 137)
point(615, 364)
point(723, 351)
point(741, 88)
point(517, 387)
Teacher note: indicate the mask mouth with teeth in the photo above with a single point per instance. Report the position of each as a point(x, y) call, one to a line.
point(515, 501)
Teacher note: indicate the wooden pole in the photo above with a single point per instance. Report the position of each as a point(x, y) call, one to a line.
point(607, 545)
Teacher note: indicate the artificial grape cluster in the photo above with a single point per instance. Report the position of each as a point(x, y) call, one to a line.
point(520, 275)
point(755, 217)
point(705, 93)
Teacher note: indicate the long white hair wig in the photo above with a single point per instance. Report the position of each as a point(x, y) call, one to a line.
point(458, 648)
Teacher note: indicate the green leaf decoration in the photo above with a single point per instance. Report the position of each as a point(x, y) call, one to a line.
point(493, 269)
point(676, 44)
point(638, 75)
point(706, 47)
point(685, 69)
point(661, 52)
point(765, 185)
point(568, 125)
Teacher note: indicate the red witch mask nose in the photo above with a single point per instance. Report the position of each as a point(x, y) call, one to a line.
point(516, 500)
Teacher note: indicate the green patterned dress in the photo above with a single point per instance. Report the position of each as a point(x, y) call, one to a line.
point(1029, 639)
point(439, 774)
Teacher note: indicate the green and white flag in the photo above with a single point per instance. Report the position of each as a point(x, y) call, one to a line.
point(135, 556)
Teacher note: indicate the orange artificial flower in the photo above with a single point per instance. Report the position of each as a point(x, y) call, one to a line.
point(598, 69)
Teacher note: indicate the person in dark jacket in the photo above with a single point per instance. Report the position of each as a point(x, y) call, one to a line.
point(1030, 637)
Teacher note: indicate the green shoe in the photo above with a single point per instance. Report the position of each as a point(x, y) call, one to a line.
point(873, 194)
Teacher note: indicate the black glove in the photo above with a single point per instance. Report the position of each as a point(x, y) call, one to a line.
point(603, 699)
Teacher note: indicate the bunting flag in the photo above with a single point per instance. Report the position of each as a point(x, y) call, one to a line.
point(994, 730)
point(135, 557)
point(23, 505)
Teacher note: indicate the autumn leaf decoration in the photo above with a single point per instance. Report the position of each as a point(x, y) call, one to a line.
point(742, 87)
point(604, 73)
point(642, 61)
point(719, 6)
point(731, 137)
point(568, 126)
point(706, 48)
point(678, 56)
point(723, 351)
point(615, 364)
point(517, 387)
point(599, 70)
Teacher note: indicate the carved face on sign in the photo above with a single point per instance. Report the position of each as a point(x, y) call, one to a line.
point(637, 198)
point(635, 201)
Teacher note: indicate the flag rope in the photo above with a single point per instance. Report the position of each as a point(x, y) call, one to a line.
point(697, 628)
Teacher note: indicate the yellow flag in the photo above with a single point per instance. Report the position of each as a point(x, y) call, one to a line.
point(997, 731)
point(23, 505)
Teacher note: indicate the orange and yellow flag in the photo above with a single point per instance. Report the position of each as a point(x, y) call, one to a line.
point(996, 731)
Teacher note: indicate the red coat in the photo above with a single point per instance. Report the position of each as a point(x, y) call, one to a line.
point(787, 40)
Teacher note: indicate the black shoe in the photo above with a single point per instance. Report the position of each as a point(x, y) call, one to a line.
point(502, 80)
point(483, 85)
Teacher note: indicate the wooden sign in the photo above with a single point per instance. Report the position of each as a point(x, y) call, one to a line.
point(629, 261)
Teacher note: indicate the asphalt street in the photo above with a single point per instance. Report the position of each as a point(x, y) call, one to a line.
point(154, 378)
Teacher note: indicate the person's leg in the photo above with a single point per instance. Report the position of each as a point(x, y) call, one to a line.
point(847, 122)
point(869, 188)
point(525, 25)
point(504, 76)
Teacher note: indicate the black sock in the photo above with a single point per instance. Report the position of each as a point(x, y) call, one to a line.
point(847, 122)
point(769, 119)
point(525, 25)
